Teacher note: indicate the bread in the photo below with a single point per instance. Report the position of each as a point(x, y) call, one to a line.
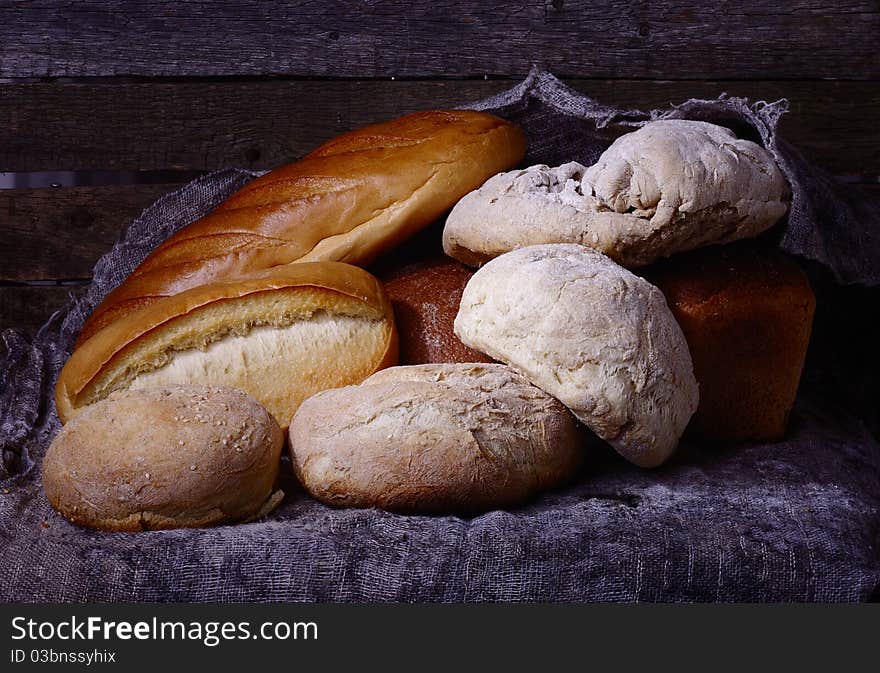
point(173, 457)
point(593, 335)
point(671, 186)
point(347, 201)
point(280, 335)
point(425, 296)
point(445, 438)
point(746, 313)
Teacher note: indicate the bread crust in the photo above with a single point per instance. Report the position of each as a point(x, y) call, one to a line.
point(747, 315)
point(349, 200)
point(171, 457)
point(442, 438)
point(147, 338)
point(425, 295)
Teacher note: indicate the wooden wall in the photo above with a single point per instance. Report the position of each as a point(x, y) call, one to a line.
point(152, 93)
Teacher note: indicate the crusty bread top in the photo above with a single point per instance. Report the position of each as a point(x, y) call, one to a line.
point(592, 334)
point(194, 318)
point(712, 279)
point(349, 200)
point(671, 186)
point(425, 295)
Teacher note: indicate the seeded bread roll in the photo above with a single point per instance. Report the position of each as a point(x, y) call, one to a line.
point(747, 314)
point(445, 438)
point(673, 185)
point(348, 201)
point(280, 335)
point(172, 457)
point(425, 296)
point(595, 336)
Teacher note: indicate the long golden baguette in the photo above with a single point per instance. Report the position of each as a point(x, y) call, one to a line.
point(350, 200)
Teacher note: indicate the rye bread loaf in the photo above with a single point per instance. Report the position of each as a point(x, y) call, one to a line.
point(747, 313)
point(425, 295)
point(445, 438)
point(170, 457)
point(593, 335)
point(671, 186)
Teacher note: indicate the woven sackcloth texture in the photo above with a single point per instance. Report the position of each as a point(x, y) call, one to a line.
point(796, 520)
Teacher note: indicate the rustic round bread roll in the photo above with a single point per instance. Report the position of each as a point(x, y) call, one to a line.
point(747, 314)
point(593, 335)
point(452, 438)
point(671, 186)
point(170, 457)
point(425, 296)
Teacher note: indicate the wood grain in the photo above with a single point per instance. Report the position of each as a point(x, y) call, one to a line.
point(681, 39)
point(202, 125)
point(61, 233)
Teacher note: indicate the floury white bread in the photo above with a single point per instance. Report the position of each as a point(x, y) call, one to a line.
point(671, 186)
point(249, 361)
point(595, 336)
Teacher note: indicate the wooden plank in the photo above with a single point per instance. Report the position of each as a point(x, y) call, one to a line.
point(27, 308)
point(61, 233)
point(201, 125)
point(688, 39)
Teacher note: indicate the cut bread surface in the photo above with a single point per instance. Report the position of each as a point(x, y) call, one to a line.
point(281, 337)
point(282, 366)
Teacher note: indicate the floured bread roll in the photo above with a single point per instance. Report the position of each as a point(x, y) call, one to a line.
point(671, 186)
point(595, 336)
point(434, 438)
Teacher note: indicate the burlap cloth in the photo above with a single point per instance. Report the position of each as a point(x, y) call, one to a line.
point(792, 521)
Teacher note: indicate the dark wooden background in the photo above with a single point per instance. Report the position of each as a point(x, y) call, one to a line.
point(134, 98)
